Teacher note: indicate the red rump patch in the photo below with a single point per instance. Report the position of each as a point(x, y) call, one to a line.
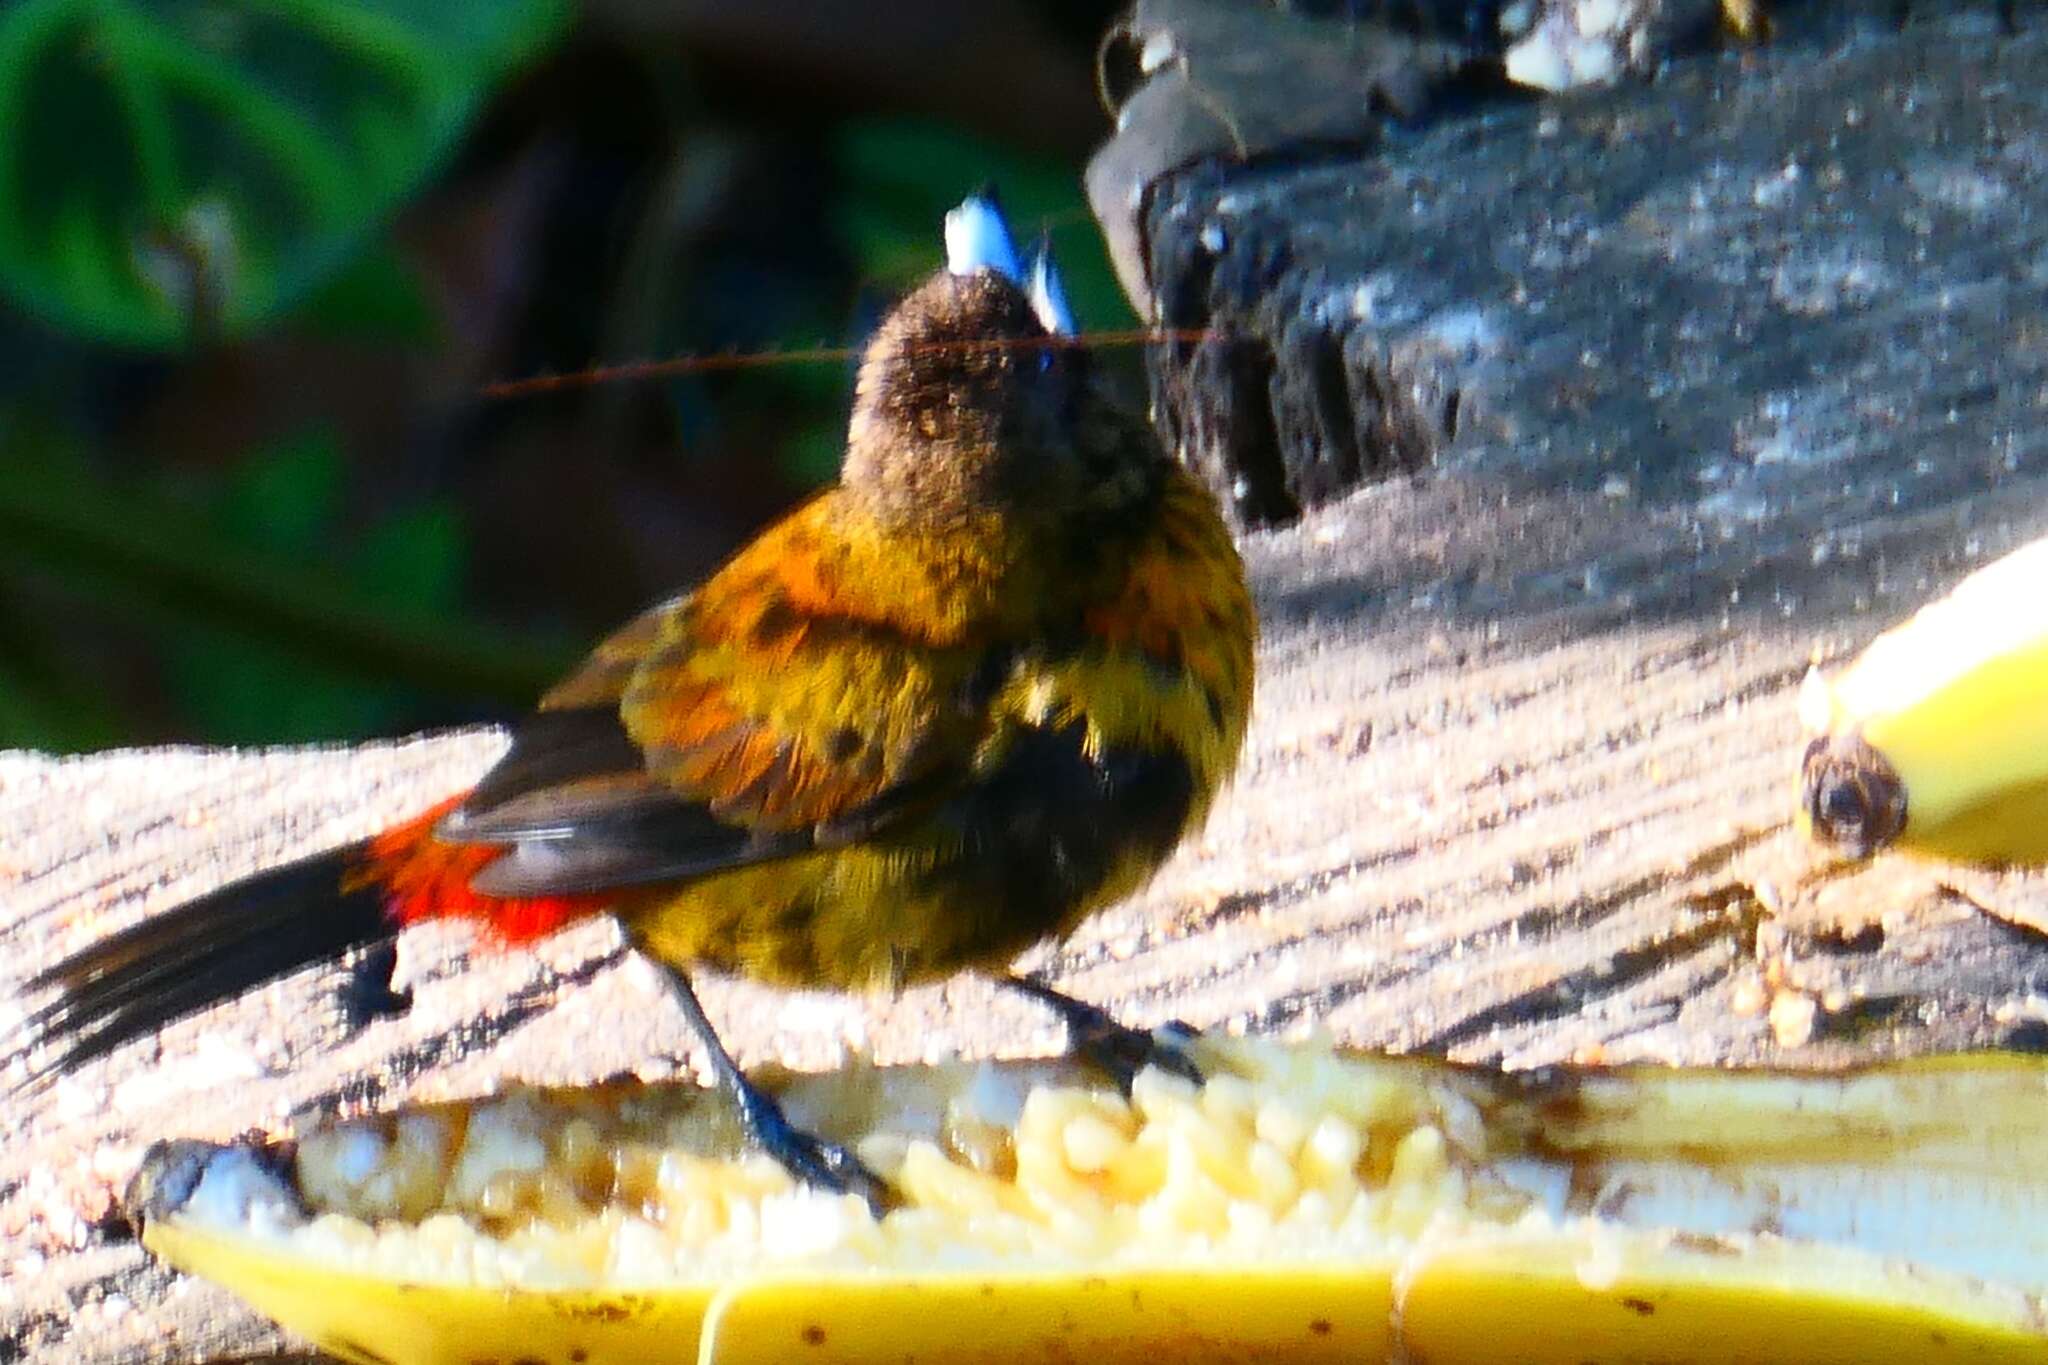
point(425, 879)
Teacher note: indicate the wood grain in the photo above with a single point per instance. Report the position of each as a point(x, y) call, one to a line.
point(1480, 813)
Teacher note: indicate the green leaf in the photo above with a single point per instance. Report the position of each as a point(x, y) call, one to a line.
point(172, 568)
point(287, 499)
point(413, 562)
point(284, 497)
point(177, 169)
point(375, 297)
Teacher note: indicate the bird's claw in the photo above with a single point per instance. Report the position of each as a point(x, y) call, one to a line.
point(1123, 1051)
point(1117, 1049)
point(811, 1159)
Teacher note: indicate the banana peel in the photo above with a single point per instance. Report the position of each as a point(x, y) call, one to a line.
point(1935, 740)
point(1303, 1204)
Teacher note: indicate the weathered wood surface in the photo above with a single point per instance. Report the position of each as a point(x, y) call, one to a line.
point(1517, 782)
point(1729, 294)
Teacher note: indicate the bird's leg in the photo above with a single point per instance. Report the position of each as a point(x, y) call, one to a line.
point(1119, 1049)
point(809, 1158)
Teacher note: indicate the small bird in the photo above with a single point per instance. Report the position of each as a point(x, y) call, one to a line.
point(942, 711)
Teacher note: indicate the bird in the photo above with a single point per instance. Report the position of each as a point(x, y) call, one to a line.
point(971, 693)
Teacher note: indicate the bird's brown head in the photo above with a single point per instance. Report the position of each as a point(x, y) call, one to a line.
point(967, 405)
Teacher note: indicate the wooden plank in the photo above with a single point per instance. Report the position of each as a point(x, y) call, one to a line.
point(1462, 824)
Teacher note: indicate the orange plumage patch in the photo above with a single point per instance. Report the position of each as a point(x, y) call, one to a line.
point(425, 879)
point(1184, 604)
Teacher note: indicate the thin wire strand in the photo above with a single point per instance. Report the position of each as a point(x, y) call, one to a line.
point(724, 362)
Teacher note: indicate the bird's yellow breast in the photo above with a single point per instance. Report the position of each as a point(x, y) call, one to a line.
point(1101, 745)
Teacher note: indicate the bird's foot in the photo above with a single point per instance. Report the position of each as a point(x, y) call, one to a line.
point(807, 1157)
point(1115, 1048)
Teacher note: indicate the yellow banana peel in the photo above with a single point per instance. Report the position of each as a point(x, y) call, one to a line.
point(1935, 741)
point(1749, 20)
point(1302, 1205)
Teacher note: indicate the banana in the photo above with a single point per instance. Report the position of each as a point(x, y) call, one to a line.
point(1303, 1204)
point(1935, 741)
point(1749, 20)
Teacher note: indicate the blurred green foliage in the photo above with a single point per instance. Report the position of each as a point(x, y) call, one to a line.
point(374, 295)
point(276, 627)
point(284, 505)
point(263, 252)
point(213, 161)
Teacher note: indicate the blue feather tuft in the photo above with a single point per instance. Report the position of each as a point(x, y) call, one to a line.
point(978, 238)
point(1048, 296)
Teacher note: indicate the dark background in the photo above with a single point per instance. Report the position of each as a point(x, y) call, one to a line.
point(257, 271)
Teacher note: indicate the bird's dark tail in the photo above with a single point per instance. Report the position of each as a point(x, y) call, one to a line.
point(206, 951)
